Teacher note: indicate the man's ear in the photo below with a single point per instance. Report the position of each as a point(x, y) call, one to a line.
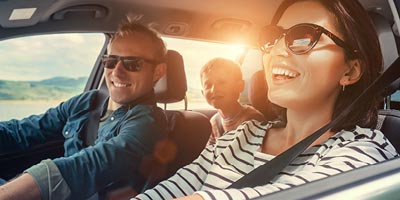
point(352, 74)
point(159, 72)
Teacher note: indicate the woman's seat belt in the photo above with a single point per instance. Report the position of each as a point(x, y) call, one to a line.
point(270, 169)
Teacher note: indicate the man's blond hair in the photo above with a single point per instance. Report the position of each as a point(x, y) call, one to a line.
point(129, 28)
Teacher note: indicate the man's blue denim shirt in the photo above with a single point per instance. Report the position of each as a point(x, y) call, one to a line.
point(124, 141)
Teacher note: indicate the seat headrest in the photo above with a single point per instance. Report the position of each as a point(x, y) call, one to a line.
point(258, 95)
point(386, 39)
point(257, 91)
point(388, 46)
point(172, 87)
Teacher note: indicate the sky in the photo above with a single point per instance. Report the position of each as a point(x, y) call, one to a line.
point(43, 57)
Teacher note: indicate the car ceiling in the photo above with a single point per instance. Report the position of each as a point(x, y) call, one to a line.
point(236, 21)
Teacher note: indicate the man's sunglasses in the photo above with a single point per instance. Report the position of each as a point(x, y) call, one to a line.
point(130, 63)
point(299, 39)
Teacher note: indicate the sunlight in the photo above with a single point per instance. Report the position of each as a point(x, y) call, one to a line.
point(238, 49)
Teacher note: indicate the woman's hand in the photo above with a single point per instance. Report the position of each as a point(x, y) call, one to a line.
point(191, 197)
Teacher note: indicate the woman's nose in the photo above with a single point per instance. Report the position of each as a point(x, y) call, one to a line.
point(280, 49)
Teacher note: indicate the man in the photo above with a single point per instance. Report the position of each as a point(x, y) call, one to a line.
point(128, 131)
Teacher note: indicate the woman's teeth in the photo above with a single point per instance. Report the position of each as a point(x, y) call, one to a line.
point(284, 73)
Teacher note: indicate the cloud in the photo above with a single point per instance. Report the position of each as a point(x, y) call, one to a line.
point(45, 56)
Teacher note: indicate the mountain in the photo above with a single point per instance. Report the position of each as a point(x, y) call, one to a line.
point(64, 81)
point(55, 88)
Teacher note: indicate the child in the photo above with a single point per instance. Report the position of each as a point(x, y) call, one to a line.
point(222, 84)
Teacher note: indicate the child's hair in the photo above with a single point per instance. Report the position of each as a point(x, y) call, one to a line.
point(231, 67)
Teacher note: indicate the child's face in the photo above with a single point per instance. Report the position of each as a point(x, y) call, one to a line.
point(221, 88)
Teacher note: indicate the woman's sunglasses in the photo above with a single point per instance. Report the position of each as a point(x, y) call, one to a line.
point(130, 63)
point(299, 39)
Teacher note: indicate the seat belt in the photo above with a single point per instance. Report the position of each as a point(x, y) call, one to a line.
point(92, 125)
point(270, 169)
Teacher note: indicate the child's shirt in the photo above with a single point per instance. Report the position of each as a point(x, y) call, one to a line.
point(220, 125)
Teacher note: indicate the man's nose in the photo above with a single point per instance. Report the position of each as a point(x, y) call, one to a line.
point(119, 67)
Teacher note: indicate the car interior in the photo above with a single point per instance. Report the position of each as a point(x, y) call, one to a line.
point(219, 21)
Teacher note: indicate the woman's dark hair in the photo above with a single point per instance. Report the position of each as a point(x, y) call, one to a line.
point(358, 31)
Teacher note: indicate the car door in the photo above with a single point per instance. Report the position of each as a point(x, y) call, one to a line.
point(39, 72)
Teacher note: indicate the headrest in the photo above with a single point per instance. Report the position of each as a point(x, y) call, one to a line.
point(172, 87)
point(258, 95)
point(388, 46)
point(386, 39)
point(257, 91)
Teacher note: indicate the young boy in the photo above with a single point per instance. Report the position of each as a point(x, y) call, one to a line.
point(222, 84)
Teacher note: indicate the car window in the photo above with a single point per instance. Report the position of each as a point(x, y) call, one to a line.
point(396, 96)
point(39, 72)
point(197, 53)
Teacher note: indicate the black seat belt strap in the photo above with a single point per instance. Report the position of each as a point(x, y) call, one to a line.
point(92, 125)
point(266, 172)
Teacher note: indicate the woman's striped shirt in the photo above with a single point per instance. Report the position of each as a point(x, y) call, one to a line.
point(237, 153)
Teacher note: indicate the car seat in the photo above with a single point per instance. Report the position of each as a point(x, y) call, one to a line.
point(388, 119)
point(389, 124)
point(188, 130)
point(258, 97)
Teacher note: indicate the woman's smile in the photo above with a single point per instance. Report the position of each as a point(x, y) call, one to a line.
point(282, 74)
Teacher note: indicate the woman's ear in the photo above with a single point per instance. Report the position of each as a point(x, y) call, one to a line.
point(352, 74)
point(159, 72)
point(241, 85)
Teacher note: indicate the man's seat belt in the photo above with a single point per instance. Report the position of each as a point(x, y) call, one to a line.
point(266, 172)
point(92, 125)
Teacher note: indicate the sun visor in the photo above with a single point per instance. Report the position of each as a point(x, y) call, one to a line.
point(20, 13)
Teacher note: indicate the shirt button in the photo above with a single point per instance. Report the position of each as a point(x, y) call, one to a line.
point(112, 118)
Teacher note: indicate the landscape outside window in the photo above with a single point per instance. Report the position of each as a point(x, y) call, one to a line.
point(39, 72)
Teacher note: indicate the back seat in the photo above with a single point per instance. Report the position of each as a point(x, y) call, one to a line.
point(258, 95)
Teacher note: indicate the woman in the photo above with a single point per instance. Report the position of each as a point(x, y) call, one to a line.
point(318, 56)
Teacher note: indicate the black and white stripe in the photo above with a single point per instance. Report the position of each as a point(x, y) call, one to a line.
point(236, 154)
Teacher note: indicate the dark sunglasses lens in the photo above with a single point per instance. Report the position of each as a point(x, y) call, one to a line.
point(109, 63)
point(301, 39)
point(132, 65)
point(269, 37)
